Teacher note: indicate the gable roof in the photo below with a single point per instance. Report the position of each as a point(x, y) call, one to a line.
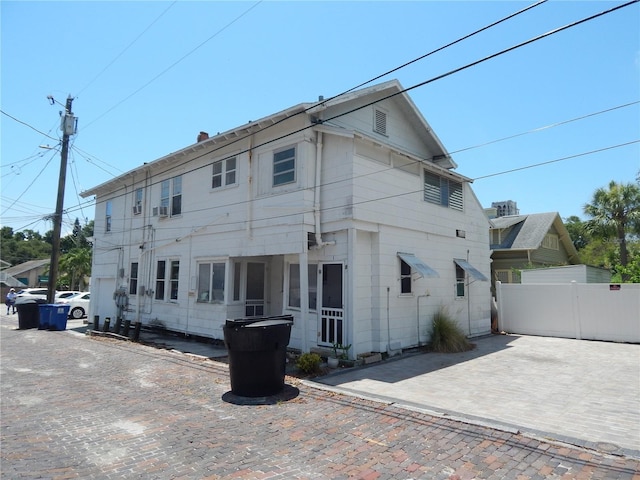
point(528, 232)
point(380, 91)
point(26, 266)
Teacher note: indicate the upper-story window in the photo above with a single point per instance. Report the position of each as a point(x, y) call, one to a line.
point(224, 173)
point(443, 191)
point(107, 216)
point(138, 195)
point(284, 166)
point(171, 196)
point(379, 121)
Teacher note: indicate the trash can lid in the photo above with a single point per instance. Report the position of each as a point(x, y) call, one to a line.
point(269, 323)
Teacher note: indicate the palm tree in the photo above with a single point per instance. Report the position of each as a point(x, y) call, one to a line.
point(76, 265)
point(615, 213)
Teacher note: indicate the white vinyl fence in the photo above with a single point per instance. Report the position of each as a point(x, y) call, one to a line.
point(589, 311)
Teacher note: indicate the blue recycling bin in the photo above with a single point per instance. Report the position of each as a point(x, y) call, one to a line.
point(59, 315)
point(53, 316)
point(45, 316)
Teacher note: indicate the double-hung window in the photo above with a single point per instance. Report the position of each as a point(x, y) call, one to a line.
point(107, 217)
point(171, 196)
point(405, 277)
point(294, 285)
point(137, 201)
point(460, 276)
point(211, 282)
point(224, 173)
point(284, 166)
point(167, 276)
point(133, 279)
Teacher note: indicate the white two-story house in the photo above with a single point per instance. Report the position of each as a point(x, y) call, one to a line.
point(346, 213)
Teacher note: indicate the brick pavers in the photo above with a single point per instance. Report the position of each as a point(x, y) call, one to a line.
point(97, 408)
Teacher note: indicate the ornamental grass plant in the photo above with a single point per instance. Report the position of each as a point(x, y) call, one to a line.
point(446, 335)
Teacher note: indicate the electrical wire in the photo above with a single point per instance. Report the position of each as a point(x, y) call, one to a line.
point(400, 92)
point(175, 63)
point(539, 129)
point(30, 126)
point(127, 48)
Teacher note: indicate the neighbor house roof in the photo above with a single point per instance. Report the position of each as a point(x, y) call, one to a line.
point(26, 266)
point(528, 232)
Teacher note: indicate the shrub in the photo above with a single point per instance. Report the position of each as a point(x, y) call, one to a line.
point(309, 362)
point(446, 336)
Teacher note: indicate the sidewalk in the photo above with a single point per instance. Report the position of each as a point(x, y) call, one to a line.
point(575, 391)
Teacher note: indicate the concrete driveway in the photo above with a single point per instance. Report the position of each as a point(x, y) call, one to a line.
point(581, 392)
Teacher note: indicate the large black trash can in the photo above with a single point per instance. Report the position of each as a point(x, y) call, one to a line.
point(257, 354)
point(28, 312)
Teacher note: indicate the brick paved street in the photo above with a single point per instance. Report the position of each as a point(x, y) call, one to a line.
point(96, 408)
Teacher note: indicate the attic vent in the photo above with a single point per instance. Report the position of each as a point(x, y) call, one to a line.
point(380, 122)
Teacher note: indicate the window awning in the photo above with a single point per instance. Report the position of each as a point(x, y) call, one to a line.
point(470, 269)
point(418, 265)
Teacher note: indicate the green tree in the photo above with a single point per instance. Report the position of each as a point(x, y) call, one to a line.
point(74, 266)
point(578, 232)
point(615, 213)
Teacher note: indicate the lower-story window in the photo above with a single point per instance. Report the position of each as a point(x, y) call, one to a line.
point(294, 285)
point(211, 282)
point(167, 277)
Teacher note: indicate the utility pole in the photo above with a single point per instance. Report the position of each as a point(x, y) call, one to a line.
point(68, 127)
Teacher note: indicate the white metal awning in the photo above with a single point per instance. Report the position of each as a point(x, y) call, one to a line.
point(470, 269)
point(418, 265)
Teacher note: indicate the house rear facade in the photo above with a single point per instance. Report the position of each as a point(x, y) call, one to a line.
point(346, 214)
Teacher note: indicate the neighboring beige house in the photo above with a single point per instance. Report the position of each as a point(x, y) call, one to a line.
point(346, 214)
point(527, 241)
point(28, 274)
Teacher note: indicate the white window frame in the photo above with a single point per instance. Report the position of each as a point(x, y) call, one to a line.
point(107, 216)
point(167, 280)
point(224, 173)
point(293, 289)
point(133, 278)
point(461, 276)
point(138, 197)
point(210, 274)
point(171, 195)
point(282, 177)
point(406, 282)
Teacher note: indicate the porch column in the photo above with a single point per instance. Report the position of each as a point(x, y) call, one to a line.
point(304, 297)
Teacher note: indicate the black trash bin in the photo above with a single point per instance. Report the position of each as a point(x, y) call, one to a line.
point(28, 312)
point(257, 354)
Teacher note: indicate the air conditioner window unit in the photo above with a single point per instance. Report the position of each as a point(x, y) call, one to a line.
point(164, 211)
point(154, 211)
point(137, 209)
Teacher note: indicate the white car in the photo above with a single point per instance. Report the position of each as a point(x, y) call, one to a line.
point(41, 293)
point(78, 304)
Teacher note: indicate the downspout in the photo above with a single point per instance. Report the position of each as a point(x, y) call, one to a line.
point(316, 194)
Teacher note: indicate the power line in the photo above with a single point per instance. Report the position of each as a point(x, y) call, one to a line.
point(127, 47)
point(30, 126)
point(557, 160)
point(325, 101)
point(175, 63)
point(539, 129)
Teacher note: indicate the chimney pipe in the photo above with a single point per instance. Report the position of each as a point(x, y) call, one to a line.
point(202, 136)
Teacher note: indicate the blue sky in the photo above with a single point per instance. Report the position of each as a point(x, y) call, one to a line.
point(147, 76)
